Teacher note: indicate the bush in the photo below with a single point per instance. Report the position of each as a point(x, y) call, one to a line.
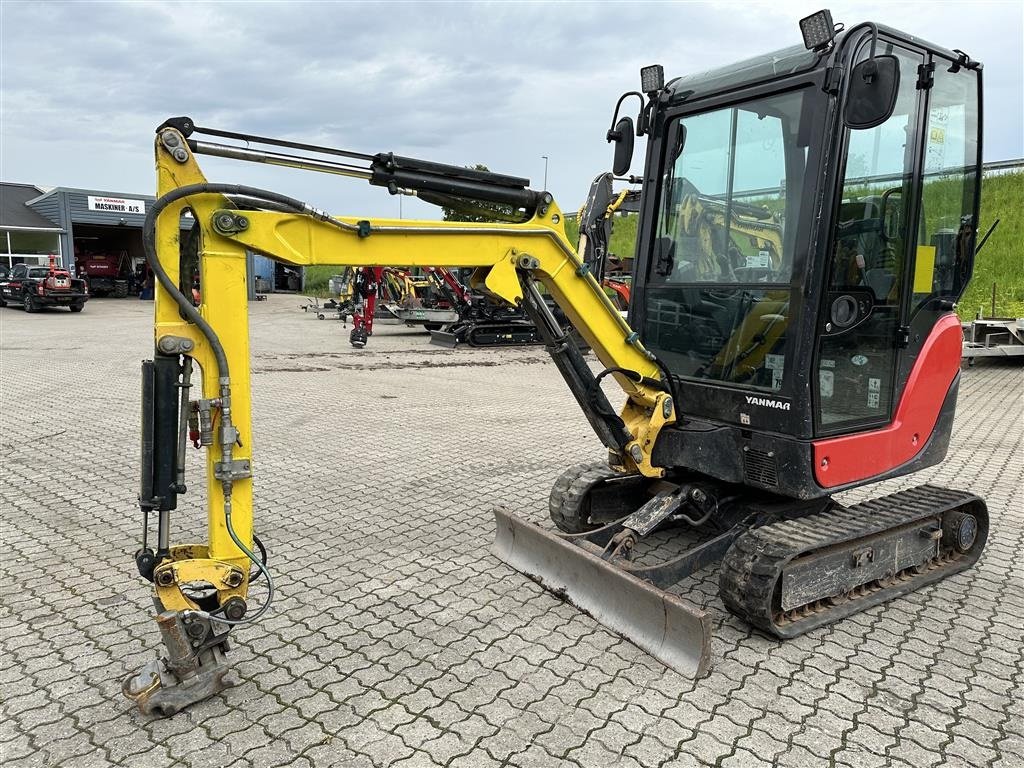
point(317, 277)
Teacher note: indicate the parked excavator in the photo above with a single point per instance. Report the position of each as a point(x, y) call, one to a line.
point(762, 372)
point(367, 282)
point(435, 299)
point(459, 315)
point(370, 293)
point(483, 321)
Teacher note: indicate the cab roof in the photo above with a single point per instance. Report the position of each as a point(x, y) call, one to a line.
point(767, 66)
point(785, 61)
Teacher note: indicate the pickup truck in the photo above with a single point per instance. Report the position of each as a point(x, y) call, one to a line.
point(32, 288)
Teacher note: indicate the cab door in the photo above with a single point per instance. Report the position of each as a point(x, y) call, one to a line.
point(945, 222)
point(862, 323)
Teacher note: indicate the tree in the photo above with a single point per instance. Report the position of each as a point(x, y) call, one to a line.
point(479, 210)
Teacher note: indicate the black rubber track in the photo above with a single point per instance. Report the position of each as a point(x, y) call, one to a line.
point(498, 334)
point(752, 568)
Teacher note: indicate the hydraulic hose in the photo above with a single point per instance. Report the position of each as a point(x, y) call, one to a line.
point(263, 557)
point(595, 386)
point(149, 247)
point(256, 561)
point(278, 202)
point(670, 382)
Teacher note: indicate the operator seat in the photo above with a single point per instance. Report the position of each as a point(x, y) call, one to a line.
point(863, 257)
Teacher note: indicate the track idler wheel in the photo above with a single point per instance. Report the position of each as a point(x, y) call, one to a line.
point(959, 530)
point(587, 496)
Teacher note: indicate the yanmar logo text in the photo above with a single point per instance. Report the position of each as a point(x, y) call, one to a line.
point(767, 402)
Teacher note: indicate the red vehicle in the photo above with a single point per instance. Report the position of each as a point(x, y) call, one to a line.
point(620, 286)
point(108, 274)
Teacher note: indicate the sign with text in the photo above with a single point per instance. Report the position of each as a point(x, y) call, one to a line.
point(117, 205)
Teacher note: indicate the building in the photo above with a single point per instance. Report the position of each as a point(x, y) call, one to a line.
point(26, 236)
point(76, 224)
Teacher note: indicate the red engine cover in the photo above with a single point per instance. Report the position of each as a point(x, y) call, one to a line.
point(847, 459)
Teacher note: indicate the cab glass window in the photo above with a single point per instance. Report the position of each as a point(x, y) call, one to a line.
point(718, 288)
point(946, 226)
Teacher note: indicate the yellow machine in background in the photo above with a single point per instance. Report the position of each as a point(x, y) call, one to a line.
point(734, 240)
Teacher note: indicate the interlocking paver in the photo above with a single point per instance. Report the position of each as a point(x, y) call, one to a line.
point(397, 638)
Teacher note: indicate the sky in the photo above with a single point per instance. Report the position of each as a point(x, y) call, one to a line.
point(84, 84)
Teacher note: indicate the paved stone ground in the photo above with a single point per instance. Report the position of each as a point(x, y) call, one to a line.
point(397, 637)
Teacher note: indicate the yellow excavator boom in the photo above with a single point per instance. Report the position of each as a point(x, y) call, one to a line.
point(509, 260)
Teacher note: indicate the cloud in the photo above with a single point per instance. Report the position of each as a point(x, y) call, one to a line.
point(83, 84)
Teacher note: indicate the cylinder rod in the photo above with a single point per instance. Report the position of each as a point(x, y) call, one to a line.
point(183, 414)
point(278, 158)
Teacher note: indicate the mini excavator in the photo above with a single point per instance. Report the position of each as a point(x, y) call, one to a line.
point(395, 290)
point(480, 320)
point(483, 321)
point(807, 223)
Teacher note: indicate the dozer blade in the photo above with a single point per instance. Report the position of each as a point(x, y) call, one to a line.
point(669, 628)
point(444, 338)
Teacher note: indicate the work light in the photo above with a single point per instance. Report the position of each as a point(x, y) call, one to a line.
point(818, 30)
point(652, 78)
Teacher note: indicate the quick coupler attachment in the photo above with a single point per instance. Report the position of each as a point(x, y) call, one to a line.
point(669, 628)
point(194, 669)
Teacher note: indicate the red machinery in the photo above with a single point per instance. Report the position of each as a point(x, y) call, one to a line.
point(107, 273)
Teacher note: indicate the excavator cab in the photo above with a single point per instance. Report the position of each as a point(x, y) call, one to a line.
point(794, 270)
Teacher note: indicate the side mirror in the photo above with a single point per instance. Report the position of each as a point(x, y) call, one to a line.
point(622, 135)
point(871, 98)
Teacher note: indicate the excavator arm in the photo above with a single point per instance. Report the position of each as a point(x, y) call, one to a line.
point(510, 258)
